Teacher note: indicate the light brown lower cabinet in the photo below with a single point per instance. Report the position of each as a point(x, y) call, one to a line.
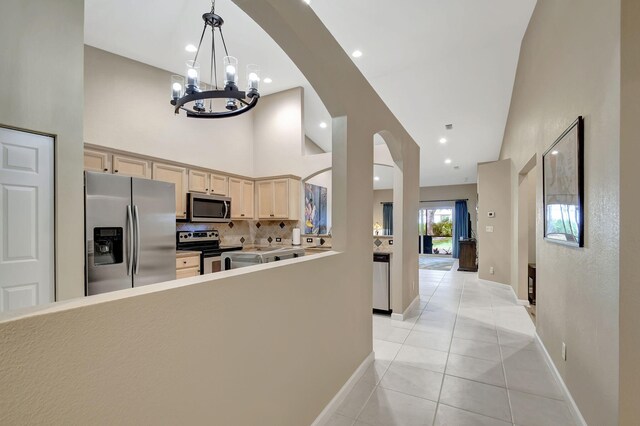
point(187, 266)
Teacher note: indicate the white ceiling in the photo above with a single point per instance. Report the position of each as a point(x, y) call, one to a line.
point(455, 58)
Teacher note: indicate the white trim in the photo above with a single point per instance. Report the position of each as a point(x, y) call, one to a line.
point(412, 306)
point(521, 301)
point(335, 402)
point(573, 407)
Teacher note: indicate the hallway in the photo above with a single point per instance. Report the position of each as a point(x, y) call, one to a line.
point(467, 357)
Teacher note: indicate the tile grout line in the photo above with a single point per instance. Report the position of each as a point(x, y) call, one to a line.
point(444, 374)
point(504, 370)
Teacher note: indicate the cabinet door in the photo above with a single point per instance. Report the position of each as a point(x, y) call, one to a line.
point(247, 199)
point(198, 181)
point(129, 166)
point(185, 273)
point(219, 185)
point(265, 199)
point(281, 199)
point(178, 176)
point(96, 161)
point(235, 192)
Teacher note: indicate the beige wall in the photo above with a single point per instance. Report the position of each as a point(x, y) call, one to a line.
point(41, 46)
point(494, 195)
point(432, 193)
point(629, 208)
point(127, 107)
point(281, 342)
point(570, 65)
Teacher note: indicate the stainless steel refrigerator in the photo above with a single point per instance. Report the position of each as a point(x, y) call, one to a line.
point(130, 228)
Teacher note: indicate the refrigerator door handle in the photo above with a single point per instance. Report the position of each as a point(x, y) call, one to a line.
point(130, 237)
point(137, 218)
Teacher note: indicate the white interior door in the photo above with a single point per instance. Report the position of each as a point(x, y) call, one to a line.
point(26, 219)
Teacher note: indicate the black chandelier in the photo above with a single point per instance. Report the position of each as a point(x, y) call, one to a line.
point(190, 97)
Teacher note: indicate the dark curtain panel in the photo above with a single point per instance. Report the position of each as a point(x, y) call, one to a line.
point(387, 218)
point(460, 226)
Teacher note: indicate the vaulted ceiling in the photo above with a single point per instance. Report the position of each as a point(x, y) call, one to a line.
point(434, 62)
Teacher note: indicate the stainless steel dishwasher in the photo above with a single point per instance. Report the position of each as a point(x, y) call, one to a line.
point(381, 281)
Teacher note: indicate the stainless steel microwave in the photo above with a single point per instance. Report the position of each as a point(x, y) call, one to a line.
point(208, 208)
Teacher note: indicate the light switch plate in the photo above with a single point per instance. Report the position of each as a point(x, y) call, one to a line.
point(489, 228)
point(491, 214)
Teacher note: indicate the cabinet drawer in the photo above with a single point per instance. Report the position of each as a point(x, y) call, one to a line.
point(188, 262)
point(185, 273)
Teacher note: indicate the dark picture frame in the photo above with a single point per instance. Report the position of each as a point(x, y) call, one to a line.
point(563, 187)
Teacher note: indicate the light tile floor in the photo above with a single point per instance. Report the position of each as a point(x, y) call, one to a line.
point(467, 356)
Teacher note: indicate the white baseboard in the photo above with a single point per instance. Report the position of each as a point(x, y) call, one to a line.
point(412, 306)
point(335, 402)
point(573, 407)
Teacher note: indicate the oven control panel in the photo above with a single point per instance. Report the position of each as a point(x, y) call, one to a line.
point(198, 236)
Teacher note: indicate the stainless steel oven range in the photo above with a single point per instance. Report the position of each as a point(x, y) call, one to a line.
point(208, 244)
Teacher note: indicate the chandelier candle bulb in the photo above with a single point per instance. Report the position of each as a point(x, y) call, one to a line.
point(193, 69)
point(177, 81)
point(230, 71)
point(253, 79)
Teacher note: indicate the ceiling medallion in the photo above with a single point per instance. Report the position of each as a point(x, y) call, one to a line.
point(191, 97)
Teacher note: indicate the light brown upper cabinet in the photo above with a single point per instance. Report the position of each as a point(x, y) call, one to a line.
point(96, 161)
point(208, 183)
point(219, 185)
point(241, 193)
point(198, 181)
point(178, 176)
point(278, 199)
point(131, 166)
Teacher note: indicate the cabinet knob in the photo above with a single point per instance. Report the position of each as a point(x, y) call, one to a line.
point(184, 261)
point(106, 170)
point(242, 214)
point(115, 171)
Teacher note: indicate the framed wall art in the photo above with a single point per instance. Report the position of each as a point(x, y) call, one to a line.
point(563, 187)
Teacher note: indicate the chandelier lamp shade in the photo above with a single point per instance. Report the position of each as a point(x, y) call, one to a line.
point(201, 100)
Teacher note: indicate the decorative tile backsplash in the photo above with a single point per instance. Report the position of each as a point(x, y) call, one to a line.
point(246, 232)
point(382, 244)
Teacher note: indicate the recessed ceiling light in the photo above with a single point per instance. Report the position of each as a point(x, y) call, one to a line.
point(267, 80)
point(376, 178)
point(323, 125)
point(356, 53)
point(554, 152)
point(191, 48)
point(447, 161)
point(443, 140)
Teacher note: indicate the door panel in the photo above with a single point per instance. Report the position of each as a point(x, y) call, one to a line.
point(198, 181)
point(247, 199)
point(235, 192)
point(219, 185)
point(281, 198)
point(133, 167)
point(178, 176)
point(265, 200)
point(155, 205)
point(108, 198)
point(26, 219)
point(96, 161)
